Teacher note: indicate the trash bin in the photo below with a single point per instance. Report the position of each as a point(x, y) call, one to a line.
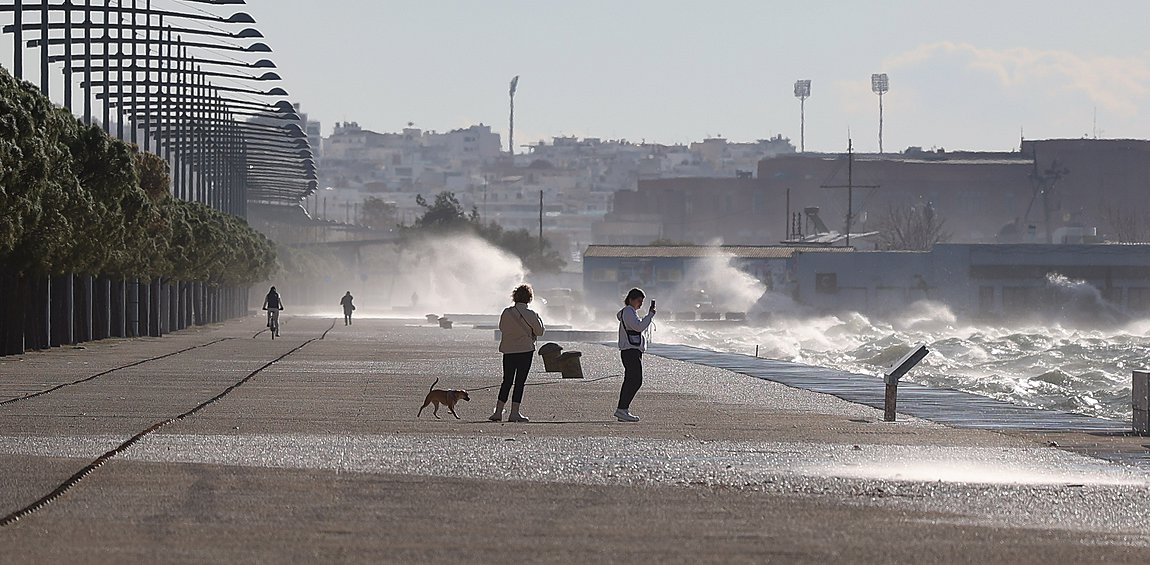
point(550, 353)
point(570, 365)
point(445, 323)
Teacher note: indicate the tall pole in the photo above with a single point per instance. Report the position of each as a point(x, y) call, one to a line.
point(148, 74)
point(88, 62)
point(802, 91)
point(879, 128)
point(850, 186)
point(880, 84)
point(540, 224)
point(44, 47)
point(787, 224)
point(850, 177)
point(803, 125)
point(107, 65)
point(18, 41)
point(135, 52)
point(68, 54)
point(511, 125)
point(119, 70)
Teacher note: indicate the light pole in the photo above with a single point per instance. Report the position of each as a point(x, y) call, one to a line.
point(511, 130)
point(879, 85)
point(802, 92)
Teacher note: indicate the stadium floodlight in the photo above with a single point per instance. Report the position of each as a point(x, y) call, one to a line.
point(802, 92)
point(879, 84)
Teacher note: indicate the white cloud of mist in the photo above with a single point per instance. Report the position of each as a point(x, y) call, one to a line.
point(1116, 84)
point(457, 274)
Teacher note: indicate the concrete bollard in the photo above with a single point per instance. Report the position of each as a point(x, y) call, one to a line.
point(550, 353)
point(571, 367)
point(1140, 401)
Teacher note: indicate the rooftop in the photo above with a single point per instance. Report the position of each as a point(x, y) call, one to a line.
point(739, 251)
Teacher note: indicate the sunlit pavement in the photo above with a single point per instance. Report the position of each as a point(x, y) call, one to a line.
point(320, 457)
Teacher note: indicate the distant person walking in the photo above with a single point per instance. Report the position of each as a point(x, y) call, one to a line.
point(347, 307)
point(632, 344)
point(273, 304)
point(520, 327)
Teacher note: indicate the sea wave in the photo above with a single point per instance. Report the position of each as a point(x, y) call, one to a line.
point(1050, 366)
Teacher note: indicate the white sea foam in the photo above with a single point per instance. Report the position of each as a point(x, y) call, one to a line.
point(1053, 364)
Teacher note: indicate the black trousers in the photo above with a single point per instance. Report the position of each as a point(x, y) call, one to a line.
point(347, 317)
point(515, 369)
point(632, 376)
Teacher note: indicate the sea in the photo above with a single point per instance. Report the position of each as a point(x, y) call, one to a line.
point(1052, 365)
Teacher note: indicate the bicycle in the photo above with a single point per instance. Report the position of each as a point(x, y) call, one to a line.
point(274, 323)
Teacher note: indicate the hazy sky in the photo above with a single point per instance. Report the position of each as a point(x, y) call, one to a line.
point(963, 74)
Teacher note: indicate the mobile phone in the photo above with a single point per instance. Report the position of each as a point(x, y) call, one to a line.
point(652, 304)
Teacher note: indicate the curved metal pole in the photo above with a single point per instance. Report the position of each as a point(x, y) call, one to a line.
point(18, 41)
point(44, 48)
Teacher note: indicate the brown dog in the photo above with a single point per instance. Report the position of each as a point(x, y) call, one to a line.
point(445, 397)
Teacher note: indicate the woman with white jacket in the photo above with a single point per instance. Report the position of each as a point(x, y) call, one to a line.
point(632, 344)
point(519, 327)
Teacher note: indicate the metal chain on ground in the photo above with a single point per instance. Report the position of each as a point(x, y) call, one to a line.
point(99, 461)
point(97, 375)
point(584, 381)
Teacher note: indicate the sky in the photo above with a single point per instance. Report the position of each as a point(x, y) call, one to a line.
point(970, 74)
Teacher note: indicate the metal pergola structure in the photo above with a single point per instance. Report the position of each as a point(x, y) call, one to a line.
point(184, 82)
point(181, 81)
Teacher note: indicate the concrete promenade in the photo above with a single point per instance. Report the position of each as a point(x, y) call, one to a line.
point(319, 458)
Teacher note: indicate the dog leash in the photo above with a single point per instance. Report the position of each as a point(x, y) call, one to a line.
point(584, 381)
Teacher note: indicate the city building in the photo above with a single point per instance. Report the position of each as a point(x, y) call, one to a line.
point(1052, 191)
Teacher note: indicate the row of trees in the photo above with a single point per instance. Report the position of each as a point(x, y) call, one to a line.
point(74, 199)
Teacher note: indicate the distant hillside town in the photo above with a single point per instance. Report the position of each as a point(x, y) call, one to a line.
point(578, 178)
point(618, 192)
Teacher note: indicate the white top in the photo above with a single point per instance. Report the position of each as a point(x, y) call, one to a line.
point(629, 320)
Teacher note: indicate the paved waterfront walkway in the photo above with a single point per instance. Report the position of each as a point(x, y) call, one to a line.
point(212, 445)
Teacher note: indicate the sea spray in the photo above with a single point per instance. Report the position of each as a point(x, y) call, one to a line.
point(717, 280)
point(457, 274)
point(1053, 366)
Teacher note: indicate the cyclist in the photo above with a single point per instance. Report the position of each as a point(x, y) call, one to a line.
point(273, 304)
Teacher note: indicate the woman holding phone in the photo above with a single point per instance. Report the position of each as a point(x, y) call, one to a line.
point(632, 344)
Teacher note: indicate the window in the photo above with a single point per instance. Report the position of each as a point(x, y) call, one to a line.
point(986, 300)
point(1138, 299)
point(604, 274)
point(826, 283)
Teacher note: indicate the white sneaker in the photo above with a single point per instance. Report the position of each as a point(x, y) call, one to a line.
point(625, 415)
